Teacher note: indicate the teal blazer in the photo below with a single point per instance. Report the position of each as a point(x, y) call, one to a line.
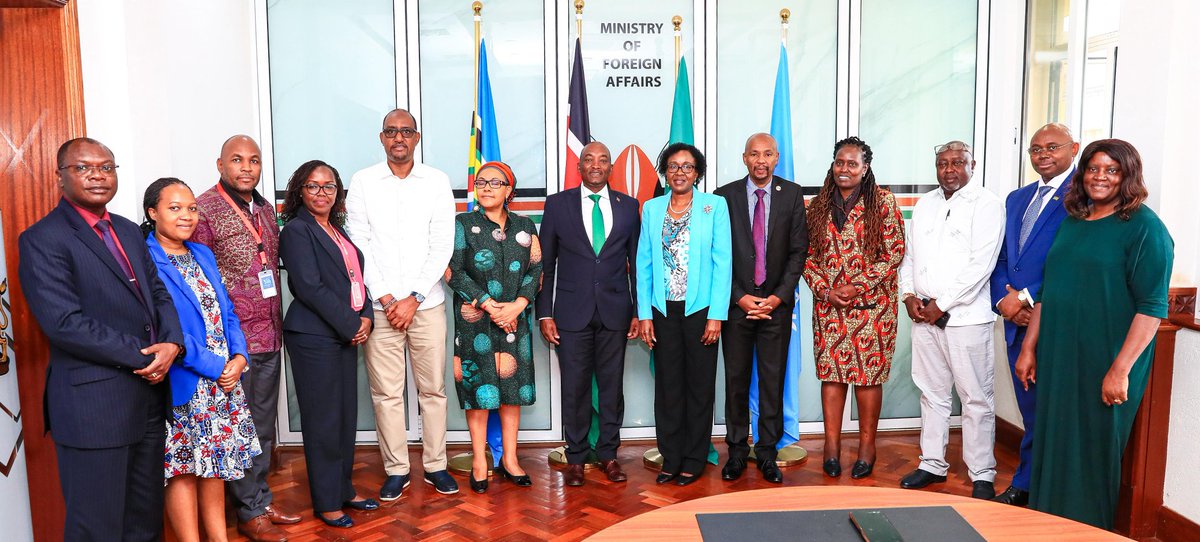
point(710, 267)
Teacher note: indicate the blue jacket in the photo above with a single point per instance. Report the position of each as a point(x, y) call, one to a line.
point(1023, 268)
point(710, 265)
point(185, 374)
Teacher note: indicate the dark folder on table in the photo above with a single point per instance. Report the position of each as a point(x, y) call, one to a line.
point(924, 523)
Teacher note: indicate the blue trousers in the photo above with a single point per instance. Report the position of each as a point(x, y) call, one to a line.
point(1027, 402)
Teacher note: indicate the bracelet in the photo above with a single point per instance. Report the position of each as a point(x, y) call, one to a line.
point(390, 303)
point(905, 297)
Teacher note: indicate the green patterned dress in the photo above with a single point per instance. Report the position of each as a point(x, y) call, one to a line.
point(493, 367)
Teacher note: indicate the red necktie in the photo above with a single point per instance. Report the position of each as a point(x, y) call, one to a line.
point(759, 230)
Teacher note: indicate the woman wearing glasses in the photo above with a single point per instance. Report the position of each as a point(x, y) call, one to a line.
point(684, 275)
point(326, 321)
point(495, 273)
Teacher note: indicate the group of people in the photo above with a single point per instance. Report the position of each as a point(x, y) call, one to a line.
point(193, 298)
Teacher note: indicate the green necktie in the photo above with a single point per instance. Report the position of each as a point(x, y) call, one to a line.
point(597, 224)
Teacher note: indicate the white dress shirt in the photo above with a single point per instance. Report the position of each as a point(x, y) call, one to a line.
point(950, 251)
point(605, 210)
point(405, 230)
point(1053, 184)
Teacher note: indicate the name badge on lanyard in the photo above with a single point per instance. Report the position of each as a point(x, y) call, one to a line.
point(266, 277)
point(356, 291)
point(266, 282)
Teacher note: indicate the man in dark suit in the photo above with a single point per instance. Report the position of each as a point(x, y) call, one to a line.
point(770, 245)
point(113, 335)
point(589, 242)
point(1034, 213)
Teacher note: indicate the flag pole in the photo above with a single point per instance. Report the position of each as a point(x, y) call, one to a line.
point(477, 7)
point(784, 15)
point(579, 19)
point(677, 21)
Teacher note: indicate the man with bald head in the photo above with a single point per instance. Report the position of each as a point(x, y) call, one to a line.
point(589, 243)
point(770, 244)
point(239, 225)
point(400, 214)
point(113, 335)
point(1034, 213)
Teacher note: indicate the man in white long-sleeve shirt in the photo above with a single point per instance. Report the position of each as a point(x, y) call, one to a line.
point(952, 246)
point(400, 214)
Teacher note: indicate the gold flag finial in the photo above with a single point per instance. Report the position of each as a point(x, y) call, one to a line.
point(784, 14)
point(578, 7)
point(677, 21)
point(477, 6)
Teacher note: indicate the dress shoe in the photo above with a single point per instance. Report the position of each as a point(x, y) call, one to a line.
point(685, 479)
point(279, 517)
point(861, 469)
point(664, 477)
point(573, 476)
point(733, 468)
point(613, 471)
point(832, 467)
point(393, 486)
point(343, 522)
point(770, 471)
point(366, 505)
point(1014, 496)
point(521, 480)
point(920, 478)
point(983, 489)
point(478, 486)
point(260, 529)
point(442, 482)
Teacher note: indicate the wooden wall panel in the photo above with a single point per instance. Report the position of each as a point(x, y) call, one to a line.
point(41, 90)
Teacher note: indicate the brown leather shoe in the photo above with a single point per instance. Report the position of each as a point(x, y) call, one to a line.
point(279, 517)
point(573, 476)
point(612, 469)
point(260, 529)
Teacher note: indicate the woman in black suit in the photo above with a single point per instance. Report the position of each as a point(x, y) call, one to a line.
point(326, 321)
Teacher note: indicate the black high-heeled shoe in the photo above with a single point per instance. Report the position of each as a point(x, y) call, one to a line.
point(478, 486)
point(521, 480)
point(862, 469)
point(664, 477)
point(832, 467)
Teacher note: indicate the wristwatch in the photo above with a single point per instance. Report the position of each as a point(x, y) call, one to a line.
point(416, 295)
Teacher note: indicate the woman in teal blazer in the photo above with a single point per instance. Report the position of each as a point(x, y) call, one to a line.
point(684, 273)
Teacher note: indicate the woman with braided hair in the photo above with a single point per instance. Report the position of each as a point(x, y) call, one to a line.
point(856, 244)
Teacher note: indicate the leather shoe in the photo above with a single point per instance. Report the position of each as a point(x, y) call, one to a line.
point(613, 471)
point(520, 480)
point(343, 522)
point(366, 505)
point(733, 468)
point(442, 482)
point(478, 486)
point(260, 529)
point(573, 476)
point(685, 479)
point(393, 487)
point(832, 467)
point(664, 477)
point(861, 469)
point(1014, 496)
point(983, 489)
point(920, 478)
point(279, 517)
point(770, 471)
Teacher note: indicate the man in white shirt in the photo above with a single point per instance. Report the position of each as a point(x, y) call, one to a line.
point(952, 246)
point(400, 214)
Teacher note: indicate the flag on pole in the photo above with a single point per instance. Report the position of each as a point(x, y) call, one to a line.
point(579, 131)
point(681, 111)
point(485, 143)
point(781, 130)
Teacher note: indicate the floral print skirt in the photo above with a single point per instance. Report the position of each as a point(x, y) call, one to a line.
point(212, 435)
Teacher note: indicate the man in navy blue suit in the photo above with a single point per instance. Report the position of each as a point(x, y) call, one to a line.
point(589, 243)
point(113, 335)
point(1034, 213)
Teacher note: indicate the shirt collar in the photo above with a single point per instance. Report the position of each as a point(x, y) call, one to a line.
point(967, 192)
point(1059, 179)
point(89, 216)
point(585, 192)
point(259, 200)
point(751, 187)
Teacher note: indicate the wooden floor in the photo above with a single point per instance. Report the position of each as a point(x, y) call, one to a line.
point(551, 511)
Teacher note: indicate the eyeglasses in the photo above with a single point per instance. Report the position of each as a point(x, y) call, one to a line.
point(952, 146)
point(1049, 148)
point(80, 169)
point(490, 183)
point(1107, 170)
point(687, 168)
point(314, 189)
point(406, 133)
point(956, 163)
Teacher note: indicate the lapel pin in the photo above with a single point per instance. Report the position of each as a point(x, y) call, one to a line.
point(778, 188)
point(1055, 198)
point(707, 209)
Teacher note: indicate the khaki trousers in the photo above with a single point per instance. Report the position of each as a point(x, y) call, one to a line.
point(425, 340)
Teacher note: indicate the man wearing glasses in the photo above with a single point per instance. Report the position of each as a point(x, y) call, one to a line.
point(1034, 214)
point(400, 214)
point(239, 225)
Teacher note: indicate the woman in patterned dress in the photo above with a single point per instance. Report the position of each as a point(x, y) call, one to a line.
point(210, 436)
point(495, 273)
point(856, 244)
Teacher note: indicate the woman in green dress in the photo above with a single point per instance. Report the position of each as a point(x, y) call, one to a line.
point(495, 273)
point(1104, 292)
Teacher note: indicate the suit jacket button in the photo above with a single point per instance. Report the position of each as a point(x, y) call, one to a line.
point(597, 260)
point(147, 328)
point(1016, 269)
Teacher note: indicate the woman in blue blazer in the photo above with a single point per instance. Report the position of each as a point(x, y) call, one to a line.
point(210, 435)
point(328, 318)
point(684, 275)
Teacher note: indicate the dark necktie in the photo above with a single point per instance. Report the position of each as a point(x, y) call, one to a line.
point(106, 233)
point(759, 231)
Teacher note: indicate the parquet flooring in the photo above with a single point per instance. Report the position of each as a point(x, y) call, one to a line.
point(551, 511)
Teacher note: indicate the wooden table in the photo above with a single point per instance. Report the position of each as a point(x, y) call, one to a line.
point(994, 521)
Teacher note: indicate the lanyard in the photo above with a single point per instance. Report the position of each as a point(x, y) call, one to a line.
point(254, 232)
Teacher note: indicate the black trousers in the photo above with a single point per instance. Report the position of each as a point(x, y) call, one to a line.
point(685, 374)
point(116, 493)
point(326, 375)
point(599, 352)
point(740, 339)
point(251, 493)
